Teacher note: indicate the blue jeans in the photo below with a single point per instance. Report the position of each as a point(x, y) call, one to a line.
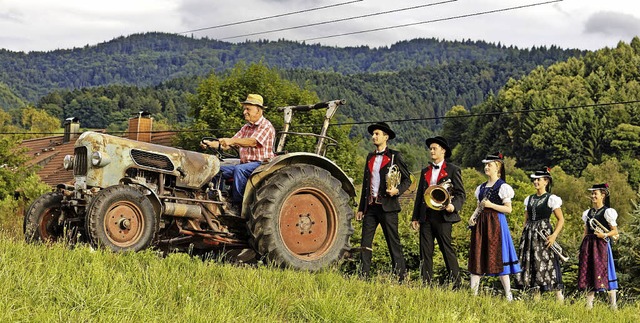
point(240, 174)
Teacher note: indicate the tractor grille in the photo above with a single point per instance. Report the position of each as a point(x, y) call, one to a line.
point(148, 159)
point(80, 164)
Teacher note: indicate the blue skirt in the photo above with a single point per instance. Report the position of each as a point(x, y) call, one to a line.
point(510, 262)
point(613, 278)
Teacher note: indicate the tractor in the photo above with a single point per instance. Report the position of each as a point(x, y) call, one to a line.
point(129, 195)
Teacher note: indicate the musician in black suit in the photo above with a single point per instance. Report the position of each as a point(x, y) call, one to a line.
point(437, 224)
point(379, 203)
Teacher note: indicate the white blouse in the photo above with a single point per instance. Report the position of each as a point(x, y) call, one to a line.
point(553, 203)
point(506, 193)
point(610, 215)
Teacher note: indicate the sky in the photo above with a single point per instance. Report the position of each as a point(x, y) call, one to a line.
point(45, 25)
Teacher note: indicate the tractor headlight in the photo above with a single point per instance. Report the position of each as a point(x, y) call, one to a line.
point(67, 162)
point(99, 160)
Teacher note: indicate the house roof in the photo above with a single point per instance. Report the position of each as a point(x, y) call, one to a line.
point(49, 152)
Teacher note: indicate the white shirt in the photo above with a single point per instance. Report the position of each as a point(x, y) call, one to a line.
point(553, 203)
point(375, 175)
point(610, 215)
point(435, 173)
point(506, 193)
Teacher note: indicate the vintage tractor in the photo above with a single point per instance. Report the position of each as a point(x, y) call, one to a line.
point(130, 195)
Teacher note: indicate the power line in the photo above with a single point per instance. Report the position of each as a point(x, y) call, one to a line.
point(340, 20)
point(496, 113)
point(270, 17)
point(434, 20)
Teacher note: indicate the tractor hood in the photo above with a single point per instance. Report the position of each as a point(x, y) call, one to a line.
point(102, 160)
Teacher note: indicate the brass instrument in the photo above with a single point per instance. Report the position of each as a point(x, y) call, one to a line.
point(596, 226)
point(555, 247)
point(474, 217)
point(439, 196)
point(393, 176)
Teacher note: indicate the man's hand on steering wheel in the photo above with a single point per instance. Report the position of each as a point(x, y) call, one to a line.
point(217, 146)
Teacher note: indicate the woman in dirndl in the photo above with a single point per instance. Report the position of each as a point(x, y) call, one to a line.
point(596, 271)
point(492, 251)
point(540, 264)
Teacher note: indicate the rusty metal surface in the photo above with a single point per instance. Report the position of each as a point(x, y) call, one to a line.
point(308, 223)
point(192, 169)
point(124, 224)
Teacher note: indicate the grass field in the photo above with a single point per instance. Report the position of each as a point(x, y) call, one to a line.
point(57, 284)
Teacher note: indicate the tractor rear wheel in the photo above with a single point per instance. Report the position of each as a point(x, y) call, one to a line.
point(121, 218)
point(41, 221)
point(301, 218)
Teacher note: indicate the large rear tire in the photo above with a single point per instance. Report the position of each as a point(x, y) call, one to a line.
point(301, 218)
point(41, 222)
point(121, 218)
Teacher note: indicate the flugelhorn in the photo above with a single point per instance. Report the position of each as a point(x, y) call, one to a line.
point(596, 226)
point(393, 176)
point(555, 247)
point(438, 196)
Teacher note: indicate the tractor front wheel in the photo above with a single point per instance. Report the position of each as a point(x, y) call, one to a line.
point(121, 218)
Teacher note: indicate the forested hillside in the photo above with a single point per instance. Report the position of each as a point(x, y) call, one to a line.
point(572, 122)
point(152, 58)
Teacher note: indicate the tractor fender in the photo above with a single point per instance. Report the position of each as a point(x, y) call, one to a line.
point(264, 170)
point(158, 207)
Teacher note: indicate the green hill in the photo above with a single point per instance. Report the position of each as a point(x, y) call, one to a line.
point(151, 58)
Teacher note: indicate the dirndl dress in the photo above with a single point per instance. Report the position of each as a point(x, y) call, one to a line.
point(492, 251)
point(597, 271)
point(540, 265)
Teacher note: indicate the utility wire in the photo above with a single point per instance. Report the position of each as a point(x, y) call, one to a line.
point(270, 17)
point(470, 115)
point(434, 20)
point(340, 20)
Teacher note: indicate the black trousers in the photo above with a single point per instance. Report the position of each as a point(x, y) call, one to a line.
point(436, 228)
point(389, 222)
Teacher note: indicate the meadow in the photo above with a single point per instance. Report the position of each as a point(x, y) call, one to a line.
point(56, 283)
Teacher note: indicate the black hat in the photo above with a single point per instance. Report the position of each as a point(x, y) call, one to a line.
point(497, 157)
point(492, 158)
point(382, 126)
point(603, 186)
point(544, 172)
point(440, 141)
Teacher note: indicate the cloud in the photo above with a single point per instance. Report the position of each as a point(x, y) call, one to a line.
point(613, 24)
point(12, 16)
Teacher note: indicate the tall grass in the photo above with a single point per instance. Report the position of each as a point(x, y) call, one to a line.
point(49, 283)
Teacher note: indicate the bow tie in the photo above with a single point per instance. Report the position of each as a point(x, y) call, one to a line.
point(434, 165)
point(379, 153)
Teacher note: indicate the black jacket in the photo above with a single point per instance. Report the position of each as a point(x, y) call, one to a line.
point(389, 203)
point(448, 171)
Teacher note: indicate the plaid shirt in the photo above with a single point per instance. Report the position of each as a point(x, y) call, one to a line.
point(264, 132)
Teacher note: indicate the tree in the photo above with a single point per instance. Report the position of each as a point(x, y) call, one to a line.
point(628, 265)
point(38, 121)
point(216, 107)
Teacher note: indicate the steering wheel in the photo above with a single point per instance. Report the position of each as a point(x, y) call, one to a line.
point(219, 152)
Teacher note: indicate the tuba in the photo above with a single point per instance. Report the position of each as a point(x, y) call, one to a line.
point(439, 196)
point(596, 226)
point(393, 176)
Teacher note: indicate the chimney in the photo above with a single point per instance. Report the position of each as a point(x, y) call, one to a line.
point(71, 129)
point(140, 127)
